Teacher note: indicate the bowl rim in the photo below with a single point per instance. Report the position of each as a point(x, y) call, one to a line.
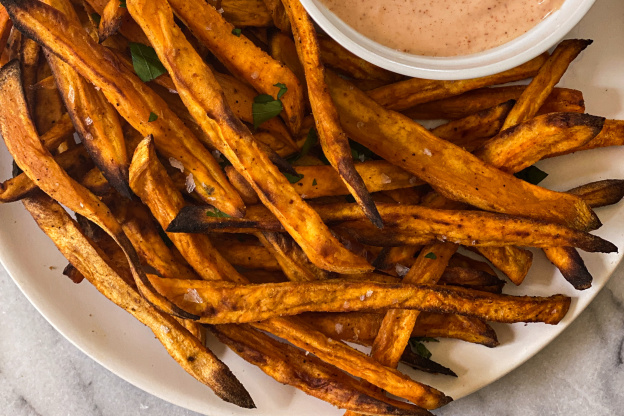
point(511, 54)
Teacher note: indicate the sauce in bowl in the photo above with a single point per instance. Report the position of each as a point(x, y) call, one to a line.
point(442, 27)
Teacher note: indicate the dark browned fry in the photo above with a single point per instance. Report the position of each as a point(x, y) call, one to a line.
point(73, 274)
point(612, 134)
point(571, 266)
point(601, 193)
point(29, 58)
point(111, 19)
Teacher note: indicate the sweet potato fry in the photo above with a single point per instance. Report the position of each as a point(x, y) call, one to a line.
point(235, 142)
point(49, 108)
point(131, 97)
point(241, 57)
point(534, 96)
point(333, 140)
point(180, 344)
point(38, 164)
point(241, 13)
point(5, 28)
point(471, 279)
point(128, 27)
point(111, 19)
point(527, 143)
point(407, 224)
point(289, 365)
point(451, 171)
point(247, 255)
point(406, 94)
point(29, 53)
point(560, 100)
point(284, 50)
point(601, 193)
point(224, 302)
point(571, 266)
point(612, 134)
point(278, 14)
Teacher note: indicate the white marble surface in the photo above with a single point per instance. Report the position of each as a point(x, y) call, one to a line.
point(580, 373)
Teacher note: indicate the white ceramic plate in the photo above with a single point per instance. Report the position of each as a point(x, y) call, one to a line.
point(118, 342)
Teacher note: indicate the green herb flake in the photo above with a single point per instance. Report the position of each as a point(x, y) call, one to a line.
point(152, 117)
point(419, 348)
point(217, 213)
point(145, 62)
point(532, 175)
point(96, 18)
point(282, 90)
point(431, 256)
point(359, 152)
point(265, 108)
point(311, 141)
point(237, 32)
point(122, 3)
point(293, 178)
point(314, 183)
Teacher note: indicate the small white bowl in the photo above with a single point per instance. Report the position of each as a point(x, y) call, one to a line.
point(513, 53)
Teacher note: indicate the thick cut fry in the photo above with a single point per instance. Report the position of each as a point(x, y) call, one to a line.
point(560, 100)
point(242, 57)
point(601, 193)
point(527, 143)
point(333, 140)
point(278, 14)
point(406, 94)
point(207, 105)
point(453, 172)
point(241, 13)
point(111, 19)
point(338, 58)
point(320, 181)
point(36, 161)
point(179, 343)
point(224, 302)
point(407, 224)
point(5, 28)
point(289, 365)
point(534, 96)
point(131, 97)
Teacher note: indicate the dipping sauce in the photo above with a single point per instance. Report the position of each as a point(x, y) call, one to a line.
point(442, 27)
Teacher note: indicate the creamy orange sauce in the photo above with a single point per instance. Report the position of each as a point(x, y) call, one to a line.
point(442, 27)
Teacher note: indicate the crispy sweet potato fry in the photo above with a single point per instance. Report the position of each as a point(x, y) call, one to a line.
point(289, 365)
point(235, 142)
point(250, 255)
point(406, 94)
point(534, 96)
point(224, 302)
point(450, 170)
point(241, 57)
point(278, 14)
point(612, 134)
point(38, 164)
point(111, 19)
point(5, 28)
point(407, 224)
point(49, 108)
point(284, 50)
point(527, 143)
point(132, 98)
point(180, 344)
point(601, 193)
point(560, 100)
point(29, 53)
point(571, 266)
point(333, 140)
point(241, 13)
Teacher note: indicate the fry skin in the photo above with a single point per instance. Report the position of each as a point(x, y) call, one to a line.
point(451, 171)
point(406, 94)
point(333, 140)
point(236, 143)
point(97, 64)
point(179, 343)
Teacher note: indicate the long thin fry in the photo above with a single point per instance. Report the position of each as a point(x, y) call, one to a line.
point(131, 97)
point(333, 140)
point(5, 28)
point(111, 19)
point(209, 108)
point(179, 343)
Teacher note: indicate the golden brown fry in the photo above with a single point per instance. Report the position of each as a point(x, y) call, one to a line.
point(407, 224)
point(128, 27)
point(131, 97)
point(5, 28)
point(250, 255)
point(278, 14)
point(571, 266)
point(333, 140)
point(451, 171)
point(241, 57)
point(38, 164)
point(29, 58)
point(207, 105)
point(471, 279)
point(224, 302)
point(560, 100)
point(49, 108)
point(514, 262)
point(527, 143)
point(534, 96)
point(406, 94)
point(601, 193)
point(320, 181)
point(612, 134)
point(96, 182)
point(284, 50)
point(111, 19)
point(180, 344)
point(338, 58)
point(241, 13)
point(289, 365)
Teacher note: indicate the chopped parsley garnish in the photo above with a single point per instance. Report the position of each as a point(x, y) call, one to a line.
point(122, 3)
point(293, 178)
point(417, 346)
point(359, 152)
point(431, 256)
point(237, 32)
point(314, 183)
point(282, 90)
point(145, 62)
point(311, 141)
point(265, 107)
point(152, 117)
point(217, 213)
point(532, 175)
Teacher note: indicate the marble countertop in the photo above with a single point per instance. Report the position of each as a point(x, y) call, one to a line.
point(580, 373)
